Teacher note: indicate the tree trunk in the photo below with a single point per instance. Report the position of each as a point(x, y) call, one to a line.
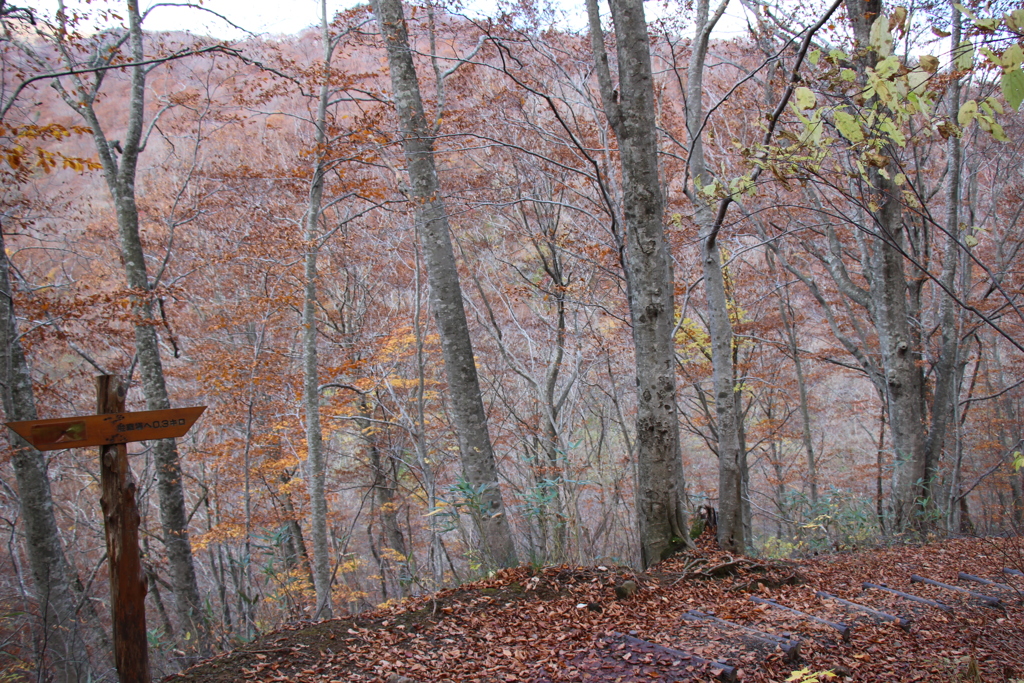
point(384, 487)
point(733, 503)
point(660, 488)
point(478, 466)
point(949, 368)
point(120, 178)
point(52, 577)
point(789, 324)
point(900, 350)
point(311, 391)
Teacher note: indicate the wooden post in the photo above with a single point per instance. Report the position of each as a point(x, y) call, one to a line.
point(121, 527)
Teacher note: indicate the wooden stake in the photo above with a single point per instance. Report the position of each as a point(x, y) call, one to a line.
point(121, 528)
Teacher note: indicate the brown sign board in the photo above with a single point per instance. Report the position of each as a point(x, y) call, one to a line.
point(108, 429)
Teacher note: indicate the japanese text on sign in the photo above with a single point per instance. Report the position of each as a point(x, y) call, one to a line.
point(155, 424)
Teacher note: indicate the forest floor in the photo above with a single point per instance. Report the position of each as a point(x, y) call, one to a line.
point(568, 624)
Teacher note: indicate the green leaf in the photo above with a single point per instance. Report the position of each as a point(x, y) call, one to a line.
point(848, 75)
point(968, 111)
point(971, 241)
point(881, 37)
point(894, 133)
point(887, 67)
point(805, 99)
point(1018, 461)
point(1015, 19)
point(964, 55)
point(848, 127)
point(1013, 88)
point(813, 57)
point(917, 79)
point(998, 133)
point(812, 130)
point(1012, 56)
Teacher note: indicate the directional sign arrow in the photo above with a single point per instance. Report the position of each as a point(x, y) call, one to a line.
point(104, 430)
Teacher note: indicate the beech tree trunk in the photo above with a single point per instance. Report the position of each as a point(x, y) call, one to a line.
point(120, 178)
point(898, 342)
point(660, 489)
point(52, 576)
point(733, 502)
point(311, 390)
point(479, 469)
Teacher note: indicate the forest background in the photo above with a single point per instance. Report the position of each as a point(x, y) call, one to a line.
point(245, 226)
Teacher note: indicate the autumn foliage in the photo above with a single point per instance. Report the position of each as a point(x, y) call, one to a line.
point(529, 169)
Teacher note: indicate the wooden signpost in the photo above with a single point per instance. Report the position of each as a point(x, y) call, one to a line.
point(110, 429)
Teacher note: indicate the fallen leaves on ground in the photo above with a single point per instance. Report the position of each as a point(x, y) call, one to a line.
point(565, 624)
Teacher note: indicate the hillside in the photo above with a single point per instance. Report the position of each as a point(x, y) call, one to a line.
point(566, 624)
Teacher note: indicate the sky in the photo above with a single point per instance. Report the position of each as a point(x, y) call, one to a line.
point(291, 16)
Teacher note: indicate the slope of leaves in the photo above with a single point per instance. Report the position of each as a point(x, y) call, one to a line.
point(566, 623)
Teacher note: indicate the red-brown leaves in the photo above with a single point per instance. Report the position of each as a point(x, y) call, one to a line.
point(522, 625)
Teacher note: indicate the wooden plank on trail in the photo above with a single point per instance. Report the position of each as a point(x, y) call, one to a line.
point(964, 576)
point(987, 599)
point(721, 671)
point(619, 658)
point(908, 596)
point(790, 646)
point(108, 429)
point(843, 629)
point(903, 623)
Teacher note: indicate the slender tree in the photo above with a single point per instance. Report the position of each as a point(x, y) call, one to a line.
point(119, 160)
point(479, 469)
point(53, 577)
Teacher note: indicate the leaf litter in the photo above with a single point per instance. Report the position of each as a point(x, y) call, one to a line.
point(566, 623)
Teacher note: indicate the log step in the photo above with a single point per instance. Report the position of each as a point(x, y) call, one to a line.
point(963, 576)
point(987, 599)
point(791, 647)
point(908, 596)
point(903, 623)
point(721, 671)
point(843, 629)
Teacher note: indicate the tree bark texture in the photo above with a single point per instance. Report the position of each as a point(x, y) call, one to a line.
point(479, 469)
point(660, 489)
point(121, 529)
point(52, 575)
